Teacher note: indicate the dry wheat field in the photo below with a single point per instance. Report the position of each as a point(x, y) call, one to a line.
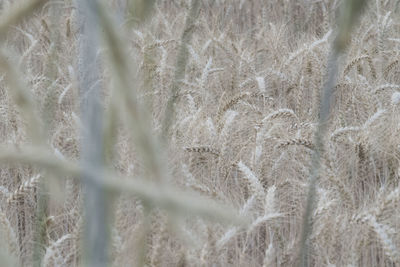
point(199, 133)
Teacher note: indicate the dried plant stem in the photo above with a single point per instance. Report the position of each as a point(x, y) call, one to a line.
point(350, 9)
point(96, 201)
point(152, 194)
point(131, 111)
point(316, 157)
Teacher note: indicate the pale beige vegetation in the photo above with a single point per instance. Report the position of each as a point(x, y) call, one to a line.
point(223, 180)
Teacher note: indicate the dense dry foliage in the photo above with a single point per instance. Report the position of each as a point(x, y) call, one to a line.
point(245, 114)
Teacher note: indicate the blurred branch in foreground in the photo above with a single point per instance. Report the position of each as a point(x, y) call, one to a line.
point(168, 197)
point(349, 12)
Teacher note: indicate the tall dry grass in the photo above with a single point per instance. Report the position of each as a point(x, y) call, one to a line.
point(210, 113)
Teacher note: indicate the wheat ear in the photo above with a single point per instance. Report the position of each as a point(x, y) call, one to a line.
point(296, 142)
point(24, 189)
point(203, 149)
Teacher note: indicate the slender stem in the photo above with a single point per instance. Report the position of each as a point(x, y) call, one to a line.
point(350, 10)
point(170, 198)
point(96, 237)
point(316, 156)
